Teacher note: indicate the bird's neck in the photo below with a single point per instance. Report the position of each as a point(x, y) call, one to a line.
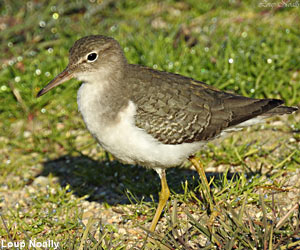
point(101, 97)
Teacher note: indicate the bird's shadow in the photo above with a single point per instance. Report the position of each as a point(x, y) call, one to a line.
point(116, 183)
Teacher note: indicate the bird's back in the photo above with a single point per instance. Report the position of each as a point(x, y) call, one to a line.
point(176, 109)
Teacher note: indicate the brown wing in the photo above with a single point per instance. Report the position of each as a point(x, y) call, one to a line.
point(176, 109)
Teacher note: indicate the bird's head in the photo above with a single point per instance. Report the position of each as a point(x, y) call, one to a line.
point(90, 58)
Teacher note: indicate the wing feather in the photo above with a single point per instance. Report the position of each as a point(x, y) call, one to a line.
point(175, 109)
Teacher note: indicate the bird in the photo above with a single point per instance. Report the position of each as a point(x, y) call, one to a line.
point(153, 118)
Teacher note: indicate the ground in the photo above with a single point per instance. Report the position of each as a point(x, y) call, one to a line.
point(57, 183)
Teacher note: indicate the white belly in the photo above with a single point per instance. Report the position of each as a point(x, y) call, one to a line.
point(124, 140)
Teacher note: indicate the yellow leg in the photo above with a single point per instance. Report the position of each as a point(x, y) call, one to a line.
point(199, 167)
point(163, 198)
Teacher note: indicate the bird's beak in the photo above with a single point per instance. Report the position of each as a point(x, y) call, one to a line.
point(64, 76)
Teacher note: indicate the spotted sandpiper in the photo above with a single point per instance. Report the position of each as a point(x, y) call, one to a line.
point(149, 117)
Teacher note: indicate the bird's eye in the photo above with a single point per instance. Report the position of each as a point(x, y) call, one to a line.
point(92, 57)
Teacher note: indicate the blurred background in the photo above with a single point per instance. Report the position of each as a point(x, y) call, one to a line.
point(54, 177)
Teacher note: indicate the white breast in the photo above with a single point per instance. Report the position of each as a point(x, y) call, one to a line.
point(124, 140)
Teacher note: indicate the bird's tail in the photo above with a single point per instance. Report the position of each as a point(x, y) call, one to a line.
point(280, 110)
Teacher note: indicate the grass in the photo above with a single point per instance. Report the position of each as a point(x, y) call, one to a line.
point(56, 183)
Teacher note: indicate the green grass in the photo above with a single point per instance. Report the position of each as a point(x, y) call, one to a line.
point(51, 169)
